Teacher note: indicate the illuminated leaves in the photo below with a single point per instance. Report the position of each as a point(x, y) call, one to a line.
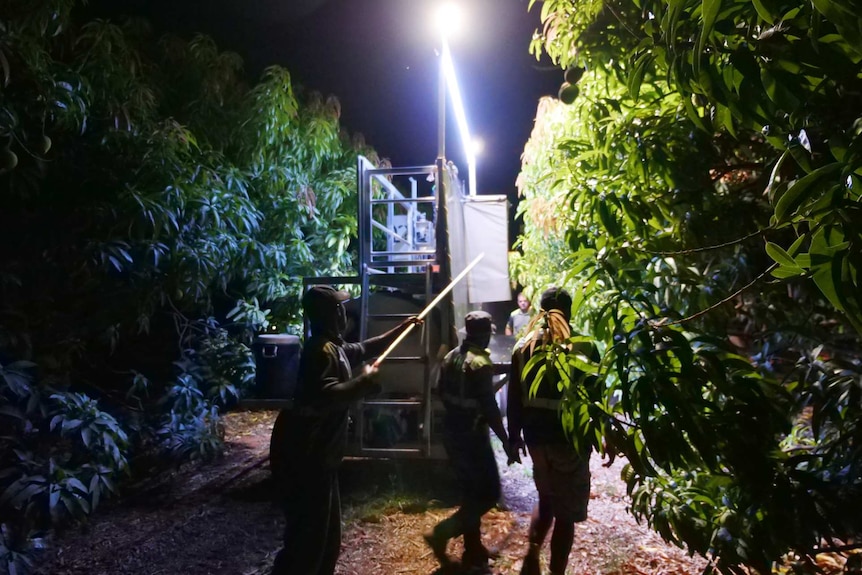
point(154, 190)
point(710, 167)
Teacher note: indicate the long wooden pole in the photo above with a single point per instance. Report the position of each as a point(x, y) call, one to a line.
point(428, 309)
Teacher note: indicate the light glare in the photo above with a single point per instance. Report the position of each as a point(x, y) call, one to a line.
point(478, 146)
point(448, 19)
point(460, 115)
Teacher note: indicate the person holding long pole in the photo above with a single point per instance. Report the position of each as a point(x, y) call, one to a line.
point(313, 435)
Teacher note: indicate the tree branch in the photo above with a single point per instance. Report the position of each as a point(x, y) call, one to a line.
point(720, 303)
point(706, 248)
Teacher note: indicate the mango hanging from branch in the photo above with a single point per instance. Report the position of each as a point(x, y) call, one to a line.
point(568, 92)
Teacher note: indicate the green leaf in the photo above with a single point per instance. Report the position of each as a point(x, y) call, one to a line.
point(95, 491)
point(674, 9)
point(828, 280)
point(709, 12)
point(802, 191)
point(13, 490)
point(771, 184)
point(777, 90)
point(826, 242)
point(694, 116)
point(797, 243)
point(54, 498)
point(71, 424)
point(636, 77)
point(725, 116)
point(75, 483)
point(763, 11)
point(838, 147)
point(782, 272)
point(780, 256)
point(608, 220)
point(845, 20)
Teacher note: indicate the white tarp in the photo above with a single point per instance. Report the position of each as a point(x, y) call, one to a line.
point(486, 226)
point(457, 252)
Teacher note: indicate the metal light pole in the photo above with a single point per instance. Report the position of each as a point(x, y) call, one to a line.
point(441, 105)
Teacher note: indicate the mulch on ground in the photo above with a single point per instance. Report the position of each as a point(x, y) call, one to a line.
point(219, 518)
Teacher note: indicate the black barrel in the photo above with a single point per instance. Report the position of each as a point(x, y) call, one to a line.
point(277, 359)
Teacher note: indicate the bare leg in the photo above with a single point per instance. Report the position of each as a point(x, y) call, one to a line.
point(561, 545)
point(540, 524)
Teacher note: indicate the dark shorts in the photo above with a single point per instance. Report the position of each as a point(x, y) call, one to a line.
point(563, 479)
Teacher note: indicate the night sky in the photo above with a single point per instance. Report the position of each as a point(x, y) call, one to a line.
point(379, 57)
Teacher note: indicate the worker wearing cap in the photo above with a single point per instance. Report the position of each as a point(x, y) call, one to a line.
point(467, 391)
point(561, 474)
point(309, 440)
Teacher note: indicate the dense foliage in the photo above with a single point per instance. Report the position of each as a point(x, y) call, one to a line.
point(157, 212)
point(702, 193)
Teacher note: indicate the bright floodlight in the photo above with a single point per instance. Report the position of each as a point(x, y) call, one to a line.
point(478, 146)
point(448, 19)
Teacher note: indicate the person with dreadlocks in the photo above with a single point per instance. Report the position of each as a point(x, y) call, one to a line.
point(467, 391)
point(561, 474)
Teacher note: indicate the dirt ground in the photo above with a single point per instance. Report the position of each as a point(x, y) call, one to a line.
point(219, 518)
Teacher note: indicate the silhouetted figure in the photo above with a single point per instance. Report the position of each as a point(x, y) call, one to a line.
point(562, 476)
point(313, 435)
point(467, 391)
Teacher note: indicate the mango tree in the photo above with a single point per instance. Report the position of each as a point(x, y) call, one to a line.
point(156, 210)
point(701, 189)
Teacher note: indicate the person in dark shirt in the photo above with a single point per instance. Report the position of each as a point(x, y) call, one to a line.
point(311, 438)
point(561, 474)
point(467, 391)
